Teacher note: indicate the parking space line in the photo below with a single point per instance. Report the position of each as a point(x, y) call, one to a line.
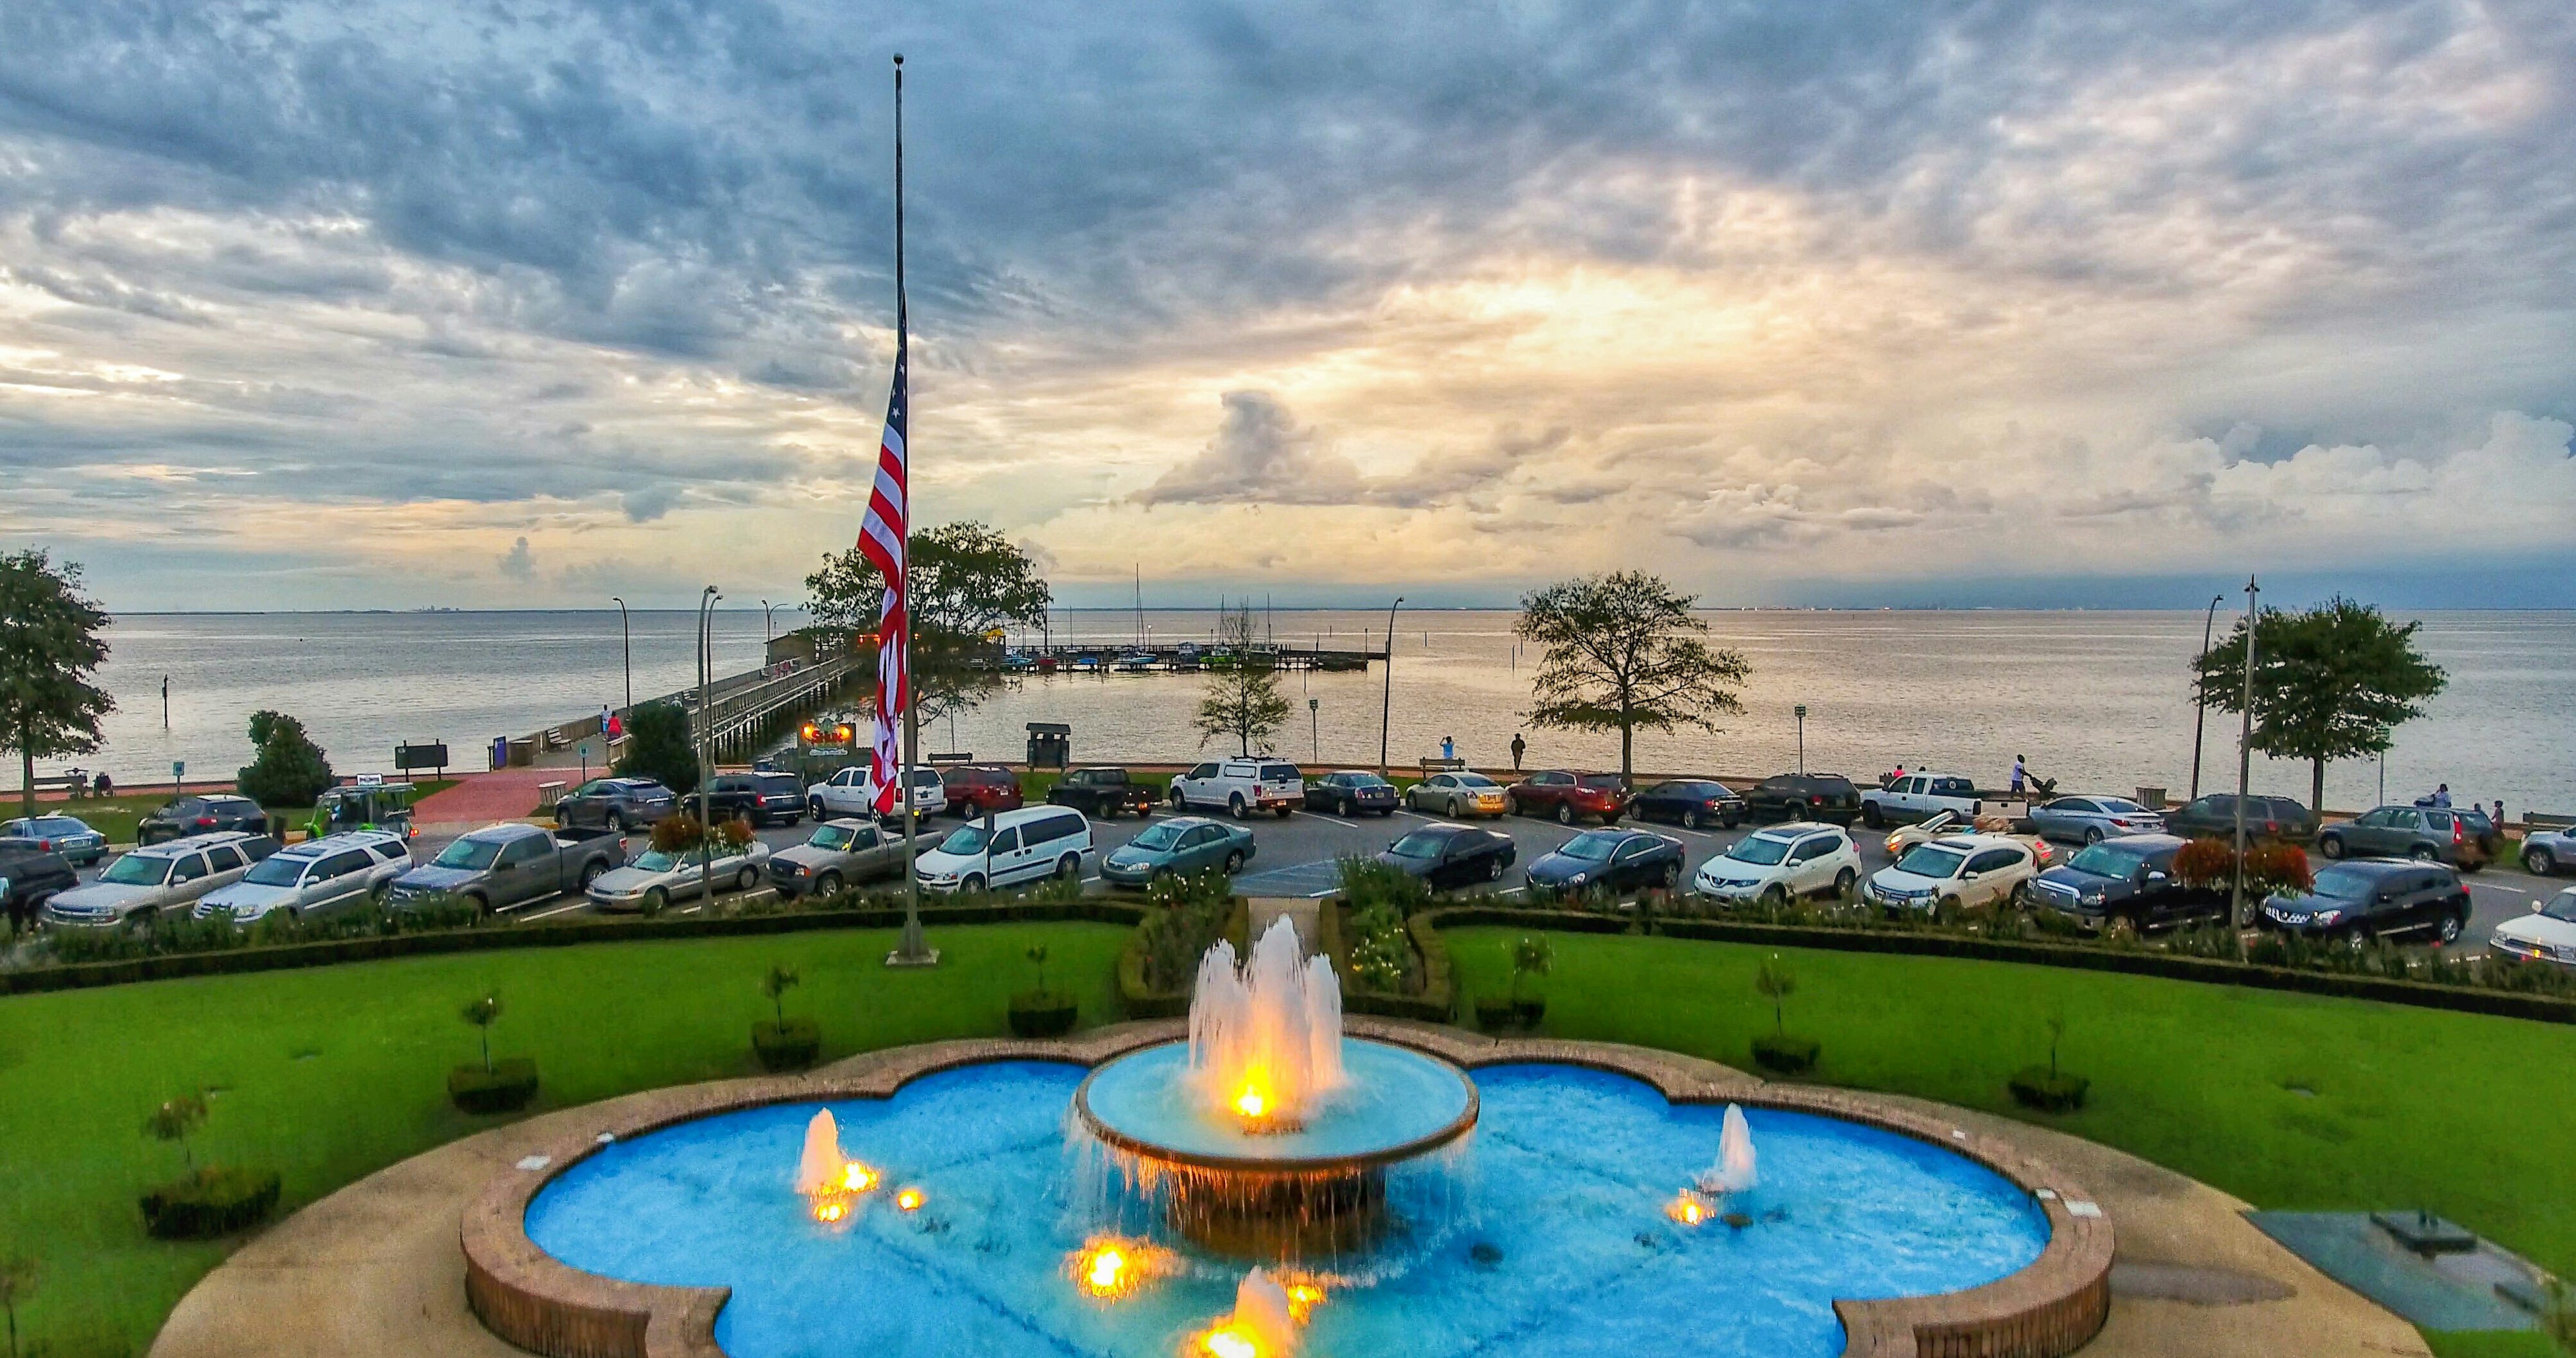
point(1334, 819)
point(565, 908)
point(2490, 886)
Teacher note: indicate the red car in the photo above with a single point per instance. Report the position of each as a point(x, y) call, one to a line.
point(1568, 796)
point(980, 789)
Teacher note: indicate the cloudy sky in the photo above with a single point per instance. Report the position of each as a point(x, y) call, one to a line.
point(404, 303)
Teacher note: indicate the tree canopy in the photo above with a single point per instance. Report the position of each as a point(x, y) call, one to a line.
point(1624, 652)
point(289, 769)
point(49, 648)
point(657, 747)
point(967, 581)
point(2332, 682)
point(1243, 699)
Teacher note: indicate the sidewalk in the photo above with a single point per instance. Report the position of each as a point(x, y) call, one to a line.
point(482, 798)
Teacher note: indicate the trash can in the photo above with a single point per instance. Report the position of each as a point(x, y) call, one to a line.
point(2152, 798)
point(1050, 744)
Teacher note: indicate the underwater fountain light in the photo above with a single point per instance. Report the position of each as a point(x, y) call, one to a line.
point(830, 1210)
point(1109, 1267)
point(1687, 1208)
point(1263, 1324)
point(858, 1178)
point(908, 1200)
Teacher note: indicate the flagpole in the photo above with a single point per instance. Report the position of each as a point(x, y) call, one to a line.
point(915, 951)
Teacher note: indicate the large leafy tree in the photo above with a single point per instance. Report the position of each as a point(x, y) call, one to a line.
point(967, 582)
point(1624, 652)
point(2333, 682)
point(657, 747)
point(49, 648)
point(1243, 699)
point(289, 769)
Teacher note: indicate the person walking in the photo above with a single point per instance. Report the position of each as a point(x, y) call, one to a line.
point(2020, 775)
point(1518, 746)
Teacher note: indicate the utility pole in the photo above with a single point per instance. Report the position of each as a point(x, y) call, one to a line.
point(1802, 739)
point(2200, 705)
point(765, 635)
point(626, 634)
point(2245, 754)
point(706, 731)
point(1386, 709)
point(1315, 730)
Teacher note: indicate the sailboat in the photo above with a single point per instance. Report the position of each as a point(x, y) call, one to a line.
point(1139, 659)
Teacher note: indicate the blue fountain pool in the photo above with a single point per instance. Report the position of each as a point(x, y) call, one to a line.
point(1562, 1249)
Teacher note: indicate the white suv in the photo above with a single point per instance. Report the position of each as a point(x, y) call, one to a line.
point(1953, 872)
point(317, 877)
point(1917, 796)
point(1801, 858)
point(1240, 787)
point(1021, 846)
point(846, 794)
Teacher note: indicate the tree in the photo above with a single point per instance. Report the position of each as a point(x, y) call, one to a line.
point(289, 769)
point(177, 1120)
point(49, 647)
point(1532, 955)
point(17, 1284)
point(2333, 682)
point(657, 747)
point(968, 581)
point(1623, 653)
point(1774, 981)
point(483, 1013)
point(780, 979)
point(1243, 699)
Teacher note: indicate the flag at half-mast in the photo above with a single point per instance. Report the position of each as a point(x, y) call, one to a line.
point(883, 542)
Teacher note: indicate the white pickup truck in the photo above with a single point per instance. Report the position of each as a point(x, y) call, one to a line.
point(1240, 787)
point(846, 794)
point(1919, 796)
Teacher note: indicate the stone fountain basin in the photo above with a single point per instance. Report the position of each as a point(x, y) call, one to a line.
point(1397, 1104)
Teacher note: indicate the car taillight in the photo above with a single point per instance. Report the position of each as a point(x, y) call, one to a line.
point(205, 821)
point(1816, 801)
point(2458, 836)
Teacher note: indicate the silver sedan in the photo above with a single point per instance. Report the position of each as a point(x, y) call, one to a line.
point(657, 879)
point(2090, 820)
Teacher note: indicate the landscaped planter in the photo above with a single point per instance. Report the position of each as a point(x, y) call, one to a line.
point(2048, 1091)
point(1042, 1013)
point(1497, 1014)
point(210, 1202)
point(789, 1046)
point(1785, 1053)
point(505, 1088)
point(1530, 1011)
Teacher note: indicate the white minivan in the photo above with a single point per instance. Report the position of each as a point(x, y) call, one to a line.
point(1008, 849)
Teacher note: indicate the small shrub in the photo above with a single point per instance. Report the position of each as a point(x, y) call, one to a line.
point(786, 1044)
point(1497, 1013)
point(1783, 1054)
point(2209, 863)
point(1366, 882)
point(1043, 1013)
point(677, 834)
point(1532, 955)
point(1381, 955)
point(177, 1120)
point(504, 1086)
point(1189, 916)
point(2047, 1090)
point(210, 1202)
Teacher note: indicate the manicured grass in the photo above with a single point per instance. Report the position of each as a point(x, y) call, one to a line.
point(329, 1074)
point(2462, 1113)
point(115, 816)
point(2492, 1344)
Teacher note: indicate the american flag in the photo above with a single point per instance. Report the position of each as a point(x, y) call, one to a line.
point(882, 540)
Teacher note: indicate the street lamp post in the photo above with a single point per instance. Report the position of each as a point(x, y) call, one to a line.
point(2200, 706)
point(1386, 708)
point(765, 637)
point(627, 635)
point(706, 721)
point(1802, 739)
point(2244, 756)
point(1315, 730)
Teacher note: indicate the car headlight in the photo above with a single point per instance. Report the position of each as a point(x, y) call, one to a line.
point(2327, 916)
point(802, 870)
point(1577, 879)
point(2095, 897)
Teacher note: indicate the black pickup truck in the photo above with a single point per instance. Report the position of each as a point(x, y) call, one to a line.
point(1102, 793)
point(2127, 878)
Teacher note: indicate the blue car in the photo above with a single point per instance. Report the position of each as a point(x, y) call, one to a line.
point(69, 836)
point(1613, 860)
point(1178, 847)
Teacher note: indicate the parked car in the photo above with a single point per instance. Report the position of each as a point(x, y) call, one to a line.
point(2547, 851)
point(2363, 899)
point(184, 816)
point(2089, 819)
point(1180, 846)
point(162, 878)
point(2464, 839)
point(1917, 795)
point(1456, 795)
point(1568, 796)
point(851, 849)
point(1616, 860)
point(505, 865)
point(326, 876)
point(1351, 792)
point(979, 789)
point(846, 793)
point(655, 879)
point(2265, 817)
point(69, 836)
point(1452, 855)
point(30, 875)
point(1692, 803)
point(1240, 787)
point(1015, 847)
point(2547, 934)
point(1947, 823)
point(1801, 858)
point(627, 804)
point(761, 798)
point(1102, 792)
point(2129, 878)
point(1825, 797)
point(1953, 873)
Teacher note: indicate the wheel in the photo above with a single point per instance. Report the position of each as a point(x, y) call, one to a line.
point(1844, 881)
point(974, 882)
point(1344, 807)
point(2330, 845)
point(626, 824)
point(829, 884)
point(2092, 835)
point(2355, 940)
point(2538, 863)
point(1494, 868)
point(1233, 862)
point(1610, 818)
point(1565, 813)
point(1872, 816)
point(746, 879)
point(1690, 820)
point(1512, 806)
point(2019, 897)
point(1068, 867)
point(1733, 819)
point(2451, 927)
point(2423, 853)
point(1179, 802)
point(377, 893)
point(656, 901)
point(1234, 806)
point(1672, 874)
point(1284, 812)
point(1451, 810)
point(1775, 895)
point(1948, 909)
point(145, 918)
point(482, 904)
point(591, 872)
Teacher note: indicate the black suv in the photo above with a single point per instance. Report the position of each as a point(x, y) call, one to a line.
point(629, 804)
point(187, 816)
point(33, 873)
point(2129, 878)
point(760, 798)
point(1827, 797)
point(2356, 901)
point(2214, 816)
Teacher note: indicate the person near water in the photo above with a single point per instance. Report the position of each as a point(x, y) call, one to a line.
point(2442, 795)
point(2020, 774)
point(1518, 745)
point(1897, 777)
point(1448, 748)
point(102, 786)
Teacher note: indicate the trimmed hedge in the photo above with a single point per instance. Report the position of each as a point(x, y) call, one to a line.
point(1136, 996)
point(2047, 1090)
point(505, 1088)
point(789, 1046)
point(1043, 1013)
point(210, 1202)
point(1785, 1053)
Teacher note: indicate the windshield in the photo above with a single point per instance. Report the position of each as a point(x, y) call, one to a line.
point(472, 854)
point(278, 871)
point(135, 870)
point(968, 840)
point(1474, 780)
point(1760, 849)
point(1419, 844)
point(657, 861)
point(1927, 861)
point(831, 837)
point(1163, 836)
point(2109, 860)
point(2348, 884)
point(2561, 907)
point(1592, 846)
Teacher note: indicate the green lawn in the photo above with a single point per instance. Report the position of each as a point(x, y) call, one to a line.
point(2464, 1114)
point(115, 816)
point(330, 1073)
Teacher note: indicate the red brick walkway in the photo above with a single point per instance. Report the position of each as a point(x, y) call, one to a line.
point(481, 798)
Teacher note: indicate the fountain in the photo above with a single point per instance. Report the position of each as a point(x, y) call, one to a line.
point(1268, 1134)
point(1733, 1172)
point(1263, 1324)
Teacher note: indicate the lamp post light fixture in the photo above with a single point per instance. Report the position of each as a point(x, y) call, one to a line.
point(626, 634)
point(705, 724)
point(2244, 757)
point(1386, 708)
point(766, 607)
point(1802, 738)
point(2200, 705)
point(1315, 730)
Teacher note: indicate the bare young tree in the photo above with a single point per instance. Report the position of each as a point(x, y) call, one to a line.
point(1243, 698)
point(1624, 652)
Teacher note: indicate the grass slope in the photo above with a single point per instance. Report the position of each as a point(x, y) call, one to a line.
point(332, 1073)
point(2461, 1113)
